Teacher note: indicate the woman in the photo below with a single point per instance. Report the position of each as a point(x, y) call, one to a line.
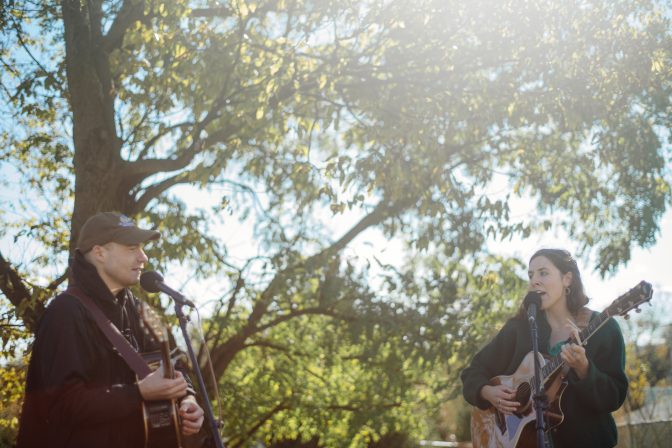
point(597, 384)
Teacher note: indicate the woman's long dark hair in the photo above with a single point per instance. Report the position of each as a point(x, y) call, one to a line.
point(565, 263)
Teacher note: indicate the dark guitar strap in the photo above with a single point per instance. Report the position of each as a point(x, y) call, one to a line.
point(132, 358)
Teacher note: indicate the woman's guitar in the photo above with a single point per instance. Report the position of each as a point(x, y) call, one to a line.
point(162, 422)
point(491, 428)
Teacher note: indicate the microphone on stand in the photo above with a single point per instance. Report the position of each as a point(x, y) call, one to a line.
point(153, 282)
point(531, 303)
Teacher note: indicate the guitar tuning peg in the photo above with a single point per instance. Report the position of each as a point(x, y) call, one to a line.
point(626, 317)
point(637, 310)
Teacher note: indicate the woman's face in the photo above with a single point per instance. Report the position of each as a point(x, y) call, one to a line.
point(547, 279)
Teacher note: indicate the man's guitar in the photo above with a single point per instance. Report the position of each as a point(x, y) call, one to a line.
point(491, 428)
point(162, 422)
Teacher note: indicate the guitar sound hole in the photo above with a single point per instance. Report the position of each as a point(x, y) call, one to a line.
point(523, 394)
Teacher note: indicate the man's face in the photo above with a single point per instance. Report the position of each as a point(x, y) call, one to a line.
point(120, 265)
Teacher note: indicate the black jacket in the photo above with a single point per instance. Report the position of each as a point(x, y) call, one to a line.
point(79, 390)
point(586, 403)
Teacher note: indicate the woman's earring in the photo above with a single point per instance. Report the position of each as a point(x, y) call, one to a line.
point(567, 291)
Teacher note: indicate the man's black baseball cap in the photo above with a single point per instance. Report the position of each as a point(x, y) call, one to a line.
point(107, 227)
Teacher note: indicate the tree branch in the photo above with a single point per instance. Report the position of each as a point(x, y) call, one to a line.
point(267, 344)
point(240, 282)
point(56, 283)
point(314, 311)
point(161, 133)
point(376, 216)
point(221, 11)
point(18, 294)
point(147, 167)
point(225, 12)
point(232, 301)
point(224, 353)
point(19, 32)
point(143, 168)
point(364, 406)
point(278, 408)
point(156, 189)
point(130, 12)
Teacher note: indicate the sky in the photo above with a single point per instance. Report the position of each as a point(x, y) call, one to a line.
point(652, 264)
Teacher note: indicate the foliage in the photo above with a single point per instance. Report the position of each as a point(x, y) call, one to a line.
point(12, 378)
point(645, 414)
point(636, 369)
point(657, 358)
point(376, 364)
point(284, 118)
point(454, 421)
point(652, 331)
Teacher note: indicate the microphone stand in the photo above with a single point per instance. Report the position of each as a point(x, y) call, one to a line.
point(539, 396)
point(206, 401)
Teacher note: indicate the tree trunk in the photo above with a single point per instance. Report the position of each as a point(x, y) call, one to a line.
point(97, 159)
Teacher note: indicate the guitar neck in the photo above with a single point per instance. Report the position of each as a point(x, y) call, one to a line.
point(168, 370)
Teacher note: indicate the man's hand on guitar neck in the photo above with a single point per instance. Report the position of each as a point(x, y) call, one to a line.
point(155, 387)
point(501, 397)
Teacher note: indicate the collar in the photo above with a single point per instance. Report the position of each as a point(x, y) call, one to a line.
point(85, 276)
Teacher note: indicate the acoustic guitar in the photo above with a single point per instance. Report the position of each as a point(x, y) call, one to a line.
point(161, 417)
point(491, 428)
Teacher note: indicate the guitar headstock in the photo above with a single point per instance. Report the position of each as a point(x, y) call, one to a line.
point(151, 323)
point(632, 299)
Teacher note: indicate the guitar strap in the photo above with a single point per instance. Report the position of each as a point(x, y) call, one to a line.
point(132, 358)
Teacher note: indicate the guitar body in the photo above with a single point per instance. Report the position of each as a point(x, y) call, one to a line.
point(492, 429)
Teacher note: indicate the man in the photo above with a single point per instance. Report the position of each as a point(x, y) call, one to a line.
point(80, 392)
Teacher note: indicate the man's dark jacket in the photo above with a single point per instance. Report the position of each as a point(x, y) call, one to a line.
point(79, 391)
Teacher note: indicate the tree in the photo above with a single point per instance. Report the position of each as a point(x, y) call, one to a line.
point(13, 378)
point(401, 114)
point(645, 413)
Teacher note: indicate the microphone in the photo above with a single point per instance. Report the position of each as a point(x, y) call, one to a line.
point(531, 303)
point(153, 282)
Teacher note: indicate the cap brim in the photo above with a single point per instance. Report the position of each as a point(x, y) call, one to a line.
point(136, 236)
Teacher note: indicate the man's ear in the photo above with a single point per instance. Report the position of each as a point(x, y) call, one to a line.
point(95, 255)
